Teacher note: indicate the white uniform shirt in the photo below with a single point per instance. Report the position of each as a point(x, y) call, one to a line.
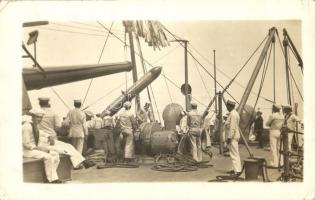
point(275, 121)
point(126, 119)
point(291, 121)
point(232, 125)
point(28, 137)
point(96, 122)
point(50, 122)
point(77, 123)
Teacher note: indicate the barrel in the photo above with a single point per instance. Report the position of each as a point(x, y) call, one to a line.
point(163, 142)
point(144, 144)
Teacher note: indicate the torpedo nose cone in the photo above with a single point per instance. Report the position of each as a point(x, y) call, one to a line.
point(156, 71)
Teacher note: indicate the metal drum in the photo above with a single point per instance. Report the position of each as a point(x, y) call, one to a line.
point(171, 115)
point(163, 142)
point(145, 136)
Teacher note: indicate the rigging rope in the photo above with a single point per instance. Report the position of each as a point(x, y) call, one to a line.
point(227, 76)
point(98, 27)
point(290, 78)
point(168, 90)
point(64, 103)
point(290, 69)
point(67, 31)
point(99, 59)
point(224, 89)
point(144, 71)
point(264, 72)
point(81, 28)
point(274, 72)
point(167, 54)
point(147, 62)
point(199, 63)
point(203, 82)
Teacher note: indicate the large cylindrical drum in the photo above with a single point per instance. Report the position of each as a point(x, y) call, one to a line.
point(163, 142)
point(146, 135)
point(246, 119)
point(171, 116)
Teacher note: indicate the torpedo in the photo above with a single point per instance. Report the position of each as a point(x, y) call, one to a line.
point(134, 90)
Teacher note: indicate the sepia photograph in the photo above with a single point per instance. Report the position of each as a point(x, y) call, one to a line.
point(124, 100)
point(147, 100)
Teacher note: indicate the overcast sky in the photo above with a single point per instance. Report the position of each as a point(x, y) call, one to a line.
point(63, 43)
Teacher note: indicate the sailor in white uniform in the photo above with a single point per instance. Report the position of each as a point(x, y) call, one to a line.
point(30, 138)
point(233, 136)
point(275, 122)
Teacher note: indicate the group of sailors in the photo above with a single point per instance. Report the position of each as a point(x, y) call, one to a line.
point(40, 139)
point(192, 124)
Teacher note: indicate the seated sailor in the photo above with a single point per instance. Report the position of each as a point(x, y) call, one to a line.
point(30, 135)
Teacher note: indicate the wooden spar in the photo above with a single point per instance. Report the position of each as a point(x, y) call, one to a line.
point(134, 68)
point(252, 79)
point(296, 136)
point(285, 46)
point(295, 51)
point(220, 100)
point(35, 23)
point(144, 71)
point(215, 82)
point(67, 74)
point(251, 82)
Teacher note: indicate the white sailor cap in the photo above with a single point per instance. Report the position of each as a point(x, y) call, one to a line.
point(277, 106)
point(37, 112)
point(287, 106)
point(43, 99)
point(89, 113)
point(193, 104)
point(229, 102)
point(127, 104)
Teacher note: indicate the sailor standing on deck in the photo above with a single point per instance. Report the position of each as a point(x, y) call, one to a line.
point(77, 126)
point(275, 122)
point(30, 138)
point(49, 140)
point(128, 125)
point(290, 121)
point(233, 136)
point(108, 145)
point(194, 122)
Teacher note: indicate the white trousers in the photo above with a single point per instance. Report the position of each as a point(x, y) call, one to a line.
point(208, 138)
point(274, 138)
point(65, 148)
point(195, 145)
point(51, 162)
point(129, 150)
point(78, 143)
point(235, 156)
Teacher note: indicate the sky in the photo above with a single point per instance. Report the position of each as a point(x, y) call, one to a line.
point(76, 43)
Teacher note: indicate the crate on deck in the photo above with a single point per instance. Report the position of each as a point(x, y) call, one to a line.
point(34, 169)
